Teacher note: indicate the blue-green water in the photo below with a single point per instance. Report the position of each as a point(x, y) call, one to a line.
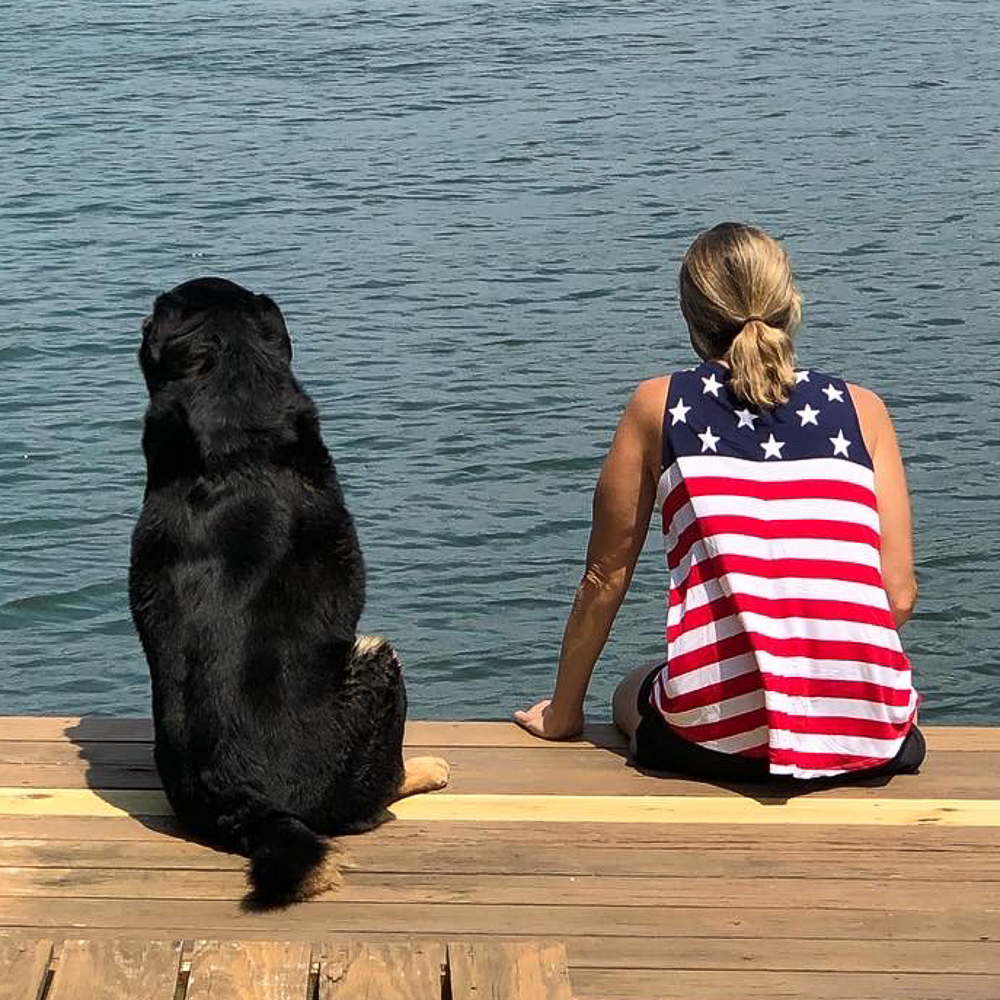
point(472, 215)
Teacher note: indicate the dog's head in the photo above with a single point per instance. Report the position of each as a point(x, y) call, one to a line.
point(208, 322)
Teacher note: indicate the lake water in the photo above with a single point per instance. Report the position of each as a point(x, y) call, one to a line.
point(472, 215)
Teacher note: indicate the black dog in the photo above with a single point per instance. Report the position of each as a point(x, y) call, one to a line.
point(275, 723)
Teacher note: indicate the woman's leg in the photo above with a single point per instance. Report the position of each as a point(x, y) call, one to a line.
point(625, 701)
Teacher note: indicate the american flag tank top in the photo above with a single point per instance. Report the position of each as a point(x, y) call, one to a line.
point(780, 640)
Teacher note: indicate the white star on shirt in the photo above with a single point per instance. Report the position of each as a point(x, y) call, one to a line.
point(772, 448)
point(708, 440)
point(746, 418)
point(834, 394)
point(801, 377)
point(679, 413)
point(808, 415)
point(711, 385)
point(840, 444)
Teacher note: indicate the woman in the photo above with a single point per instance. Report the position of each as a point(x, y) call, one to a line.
point(786, 523)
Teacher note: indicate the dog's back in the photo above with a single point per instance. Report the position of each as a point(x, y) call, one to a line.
point(246, 585)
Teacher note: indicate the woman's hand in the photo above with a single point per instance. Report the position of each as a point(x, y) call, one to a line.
point(550, 724)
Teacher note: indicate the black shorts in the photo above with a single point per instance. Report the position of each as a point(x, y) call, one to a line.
point(657, 747)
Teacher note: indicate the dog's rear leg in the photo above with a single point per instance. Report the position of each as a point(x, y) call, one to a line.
point(423, 774)
point(374, 657)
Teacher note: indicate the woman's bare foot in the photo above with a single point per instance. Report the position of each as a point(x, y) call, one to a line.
point(423, 774)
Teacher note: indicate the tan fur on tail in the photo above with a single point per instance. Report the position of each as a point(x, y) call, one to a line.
point(327, 877)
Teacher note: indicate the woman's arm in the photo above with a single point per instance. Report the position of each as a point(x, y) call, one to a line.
point(623, 504)
point(895, 523)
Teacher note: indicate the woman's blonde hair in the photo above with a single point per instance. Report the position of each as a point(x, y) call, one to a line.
point(742, 307)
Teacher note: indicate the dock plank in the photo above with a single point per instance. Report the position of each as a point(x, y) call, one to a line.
point(570, 809)
point(706, 836)
point(969, 739)
point(508, 971)
point(58, 918)
point(528, 770)
point(24, 964)
point(116, 970)
point(386, 971)
point(505, 852)
point(644, 983)
point(406, 888)
point(249, 970)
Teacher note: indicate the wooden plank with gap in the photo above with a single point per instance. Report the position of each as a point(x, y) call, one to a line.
point(412, 970)
point(505, 970)
point(116, 970)
point(249, 970)
point(24, 965)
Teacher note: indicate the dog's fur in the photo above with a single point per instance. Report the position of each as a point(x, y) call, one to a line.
point(274, 723)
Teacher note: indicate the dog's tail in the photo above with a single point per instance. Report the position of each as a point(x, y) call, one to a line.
point(288, 862)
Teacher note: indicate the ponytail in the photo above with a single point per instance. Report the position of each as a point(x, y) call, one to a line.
point(739, 298)
point(762, 361)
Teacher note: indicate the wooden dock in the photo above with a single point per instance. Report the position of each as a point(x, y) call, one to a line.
point(657, 886)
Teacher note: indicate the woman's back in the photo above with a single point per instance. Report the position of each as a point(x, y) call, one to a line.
point(781, 643)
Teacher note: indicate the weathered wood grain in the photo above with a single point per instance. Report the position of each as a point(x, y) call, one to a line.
point(508, 971)
point(249, 970)
point(386, 971)
point(644, 983)
point(24, 963)
point(116, 970)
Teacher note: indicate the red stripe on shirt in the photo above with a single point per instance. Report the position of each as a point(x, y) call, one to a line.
point(775, 569)
point(732, 524)
point(790, 607)
point(712, 693)
point(821, 687)
point(815, 649)
point(735, 725)
point(837, 725)
point(794, 489)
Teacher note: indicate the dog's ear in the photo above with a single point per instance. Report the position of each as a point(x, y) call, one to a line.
point(174, 342)
point(159, 326)
point(272, 324)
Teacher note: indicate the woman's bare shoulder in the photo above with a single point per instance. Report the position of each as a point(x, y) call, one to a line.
point(872, 414)
point(651, 393)
point(645, 415)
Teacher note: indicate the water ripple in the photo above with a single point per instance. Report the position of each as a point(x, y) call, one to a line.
point(472, 215)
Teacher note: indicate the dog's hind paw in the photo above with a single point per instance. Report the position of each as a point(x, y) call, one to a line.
point(424, 774)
